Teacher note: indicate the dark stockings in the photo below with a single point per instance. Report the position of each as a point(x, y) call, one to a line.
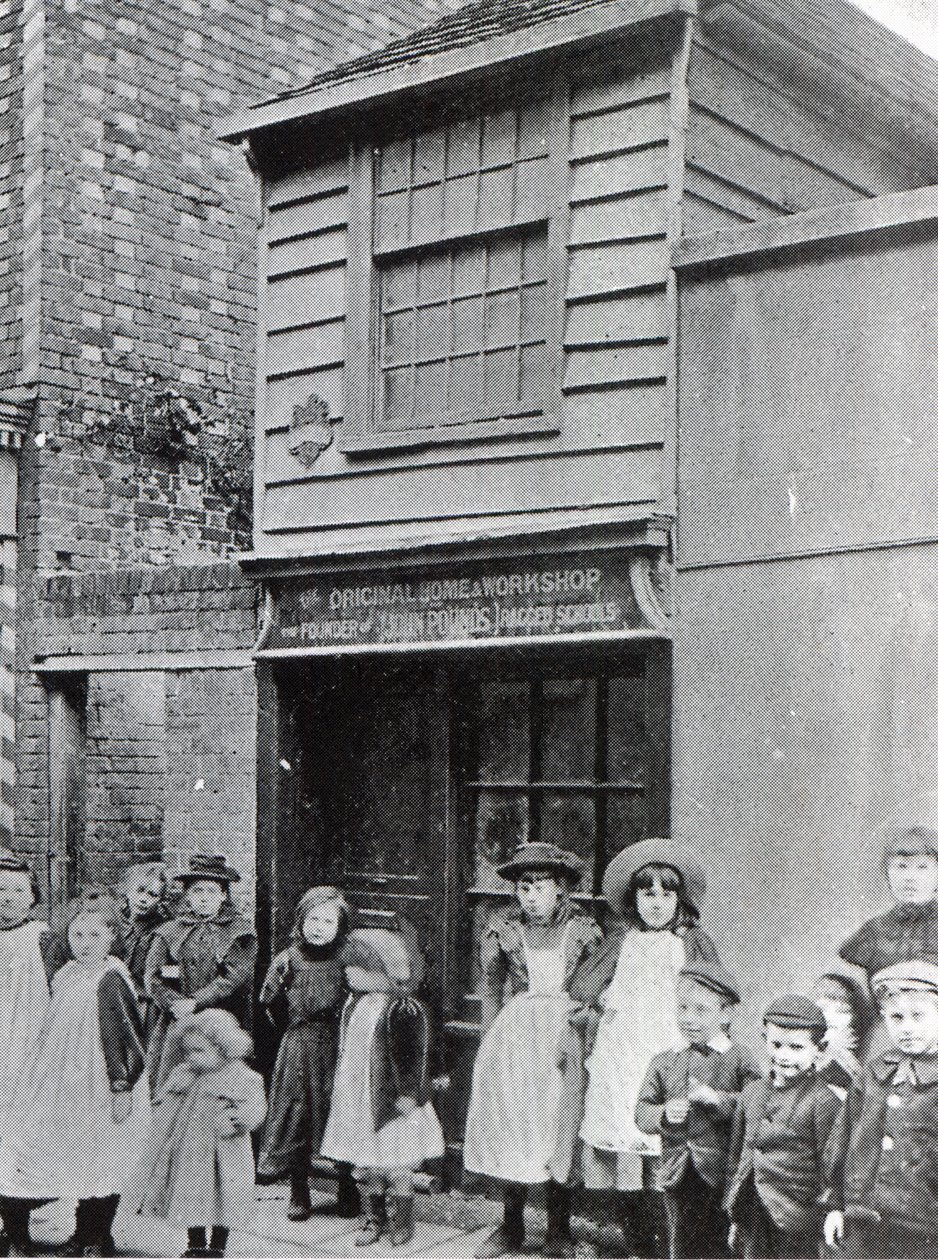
point(558, 1212)
point(644, 1223)
point(515, 1197)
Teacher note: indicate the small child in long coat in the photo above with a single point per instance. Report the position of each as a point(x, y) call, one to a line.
point(782, 1125)
point(382, 1120)
point(198, 1168)
point(309, 980)
point(203, 958)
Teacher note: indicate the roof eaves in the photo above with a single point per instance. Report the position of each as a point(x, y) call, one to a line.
point(331, 98)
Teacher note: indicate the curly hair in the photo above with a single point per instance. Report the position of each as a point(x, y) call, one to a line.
point(218, 1027)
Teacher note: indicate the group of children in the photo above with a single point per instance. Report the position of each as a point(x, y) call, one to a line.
point(606, 1068)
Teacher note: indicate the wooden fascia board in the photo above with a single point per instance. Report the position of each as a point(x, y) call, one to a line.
point(437, 69)
point(819, 53)
point(895, 211)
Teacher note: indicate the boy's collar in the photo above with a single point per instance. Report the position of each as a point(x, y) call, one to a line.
point(926, 1066)
point(720, 1043)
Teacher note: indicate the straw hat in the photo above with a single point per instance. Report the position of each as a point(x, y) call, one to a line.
point(209, 866)
point(539, 856)
point(655, 852)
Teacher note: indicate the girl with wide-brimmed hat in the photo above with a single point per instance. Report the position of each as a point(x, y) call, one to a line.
point(514, 1131)
point(628, 988)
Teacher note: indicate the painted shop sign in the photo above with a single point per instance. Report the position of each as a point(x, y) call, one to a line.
point(579, 595)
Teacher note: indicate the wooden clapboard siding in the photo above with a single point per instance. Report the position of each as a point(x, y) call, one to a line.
point(757, 149)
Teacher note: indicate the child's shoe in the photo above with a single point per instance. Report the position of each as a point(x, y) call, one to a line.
point(301, 1207)
point(346, 1198)
point(401, 1217)
point(372, 1226)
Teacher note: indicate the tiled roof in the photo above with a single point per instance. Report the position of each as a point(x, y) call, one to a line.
point(470, 24)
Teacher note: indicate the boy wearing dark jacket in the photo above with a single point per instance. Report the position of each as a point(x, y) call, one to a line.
point(883, 1153)
point(781, 1129)
point(689, 1096)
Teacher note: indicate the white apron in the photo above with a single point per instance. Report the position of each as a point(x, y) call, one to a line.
point(24, 1001)
point(512, 1130)
point(638, 1022)
point(61, 1141)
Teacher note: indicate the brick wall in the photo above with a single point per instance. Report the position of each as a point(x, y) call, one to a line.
point(168, 755)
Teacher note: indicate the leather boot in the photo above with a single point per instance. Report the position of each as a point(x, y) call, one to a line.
point(346, 1195)
point(373, 1222)
point(401, 1219)
point(301, 1207)
point(557, 1241)
point(508, 1239)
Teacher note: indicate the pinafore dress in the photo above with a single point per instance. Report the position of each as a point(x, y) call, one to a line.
point(512, 1130)
point(638, 1022)
point(24, 1000)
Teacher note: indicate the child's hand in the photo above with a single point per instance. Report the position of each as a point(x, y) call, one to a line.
point(734, 1237)
point(440, 1084)
point(121, 1106)
point(182, 1007)
point(704, 1094)
point(834, 1229)
point(676, 1110)
point(406, 1105)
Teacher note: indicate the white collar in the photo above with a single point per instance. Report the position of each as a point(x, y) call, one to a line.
point(720, 1043)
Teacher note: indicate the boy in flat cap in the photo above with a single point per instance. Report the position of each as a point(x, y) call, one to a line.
point(883, 1153)
point(689, 1097)
point(781, 1129)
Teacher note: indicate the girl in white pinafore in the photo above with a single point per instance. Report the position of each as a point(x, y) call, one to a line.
point(24, 984)
point(514, 1131)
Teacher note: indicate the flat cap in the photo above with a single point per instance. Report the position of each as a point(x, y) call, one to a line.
point(795, 1011)
point(712, 975)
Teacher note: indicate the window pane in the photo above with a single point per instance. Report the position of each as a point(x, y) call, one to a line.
point(568, 740)
point(426, 213)
point(533, 128)
point(430, 386)
point(504, 265)
point(459, 205)
point(467, 324)
point(501, 824)
point(468, 271)
point(501, 320)
point(503, 732)
point(429, 148)
point(465, 387)
point(391, 227)
point(625, 821)
point(432, 332)
point(531, 190)
point(399, 337)
point(397, 398)
point(400, 285)
point(433, 281)
point(501, 382)
point(533, 312)
point(534, 257)
point(533, 375)
point(569, 821)
point(495, 197)
point(627, 738)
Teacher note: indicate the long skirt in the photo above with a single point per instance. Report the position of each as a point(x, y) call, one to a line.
point(300, 1094)
point(351, 1137)
point(514, 1131)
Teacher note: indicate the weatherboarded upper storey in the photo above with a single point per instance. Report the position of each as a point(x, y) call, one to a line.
point(467, 308)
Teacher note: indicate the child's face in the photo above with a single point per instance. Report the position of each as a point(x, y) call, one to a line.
point(911, 1020)
point(539, 895)
point(143, 896)
point(321, 925)
point(913, 879)
point(90, 938)
point(205, 897)
point(656, 905)
point(835, 1005)
point(701, 1013)
point(791, 1051)
point(16, 897)
point(200, 1054)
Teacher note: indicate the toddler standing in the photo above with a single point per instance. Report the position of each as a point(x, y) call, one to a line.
point(689, 1099)
point(79, 1115)
point(628, 986)
point(781, 1129)
point(198, 1167)
point(309, 979)
point(382, 1120)
point(203, 958)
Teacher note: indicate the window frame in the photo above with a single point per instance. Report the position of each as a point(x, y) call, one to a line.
point(359, 432)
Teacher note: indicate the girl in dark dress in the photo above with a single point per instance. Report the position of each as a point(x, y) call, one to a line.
point(307, 979)
point(143, 898)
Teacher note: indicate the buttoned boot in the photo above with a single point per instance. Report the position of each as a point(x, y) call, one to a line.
point(301, 1207)
point(401, 1218)
point(374, 1219)
point(508, 1239)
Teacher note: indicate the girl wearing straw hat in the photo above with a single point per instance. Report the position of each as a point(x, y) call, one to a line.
point(514, 1131)
point(629, 986)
